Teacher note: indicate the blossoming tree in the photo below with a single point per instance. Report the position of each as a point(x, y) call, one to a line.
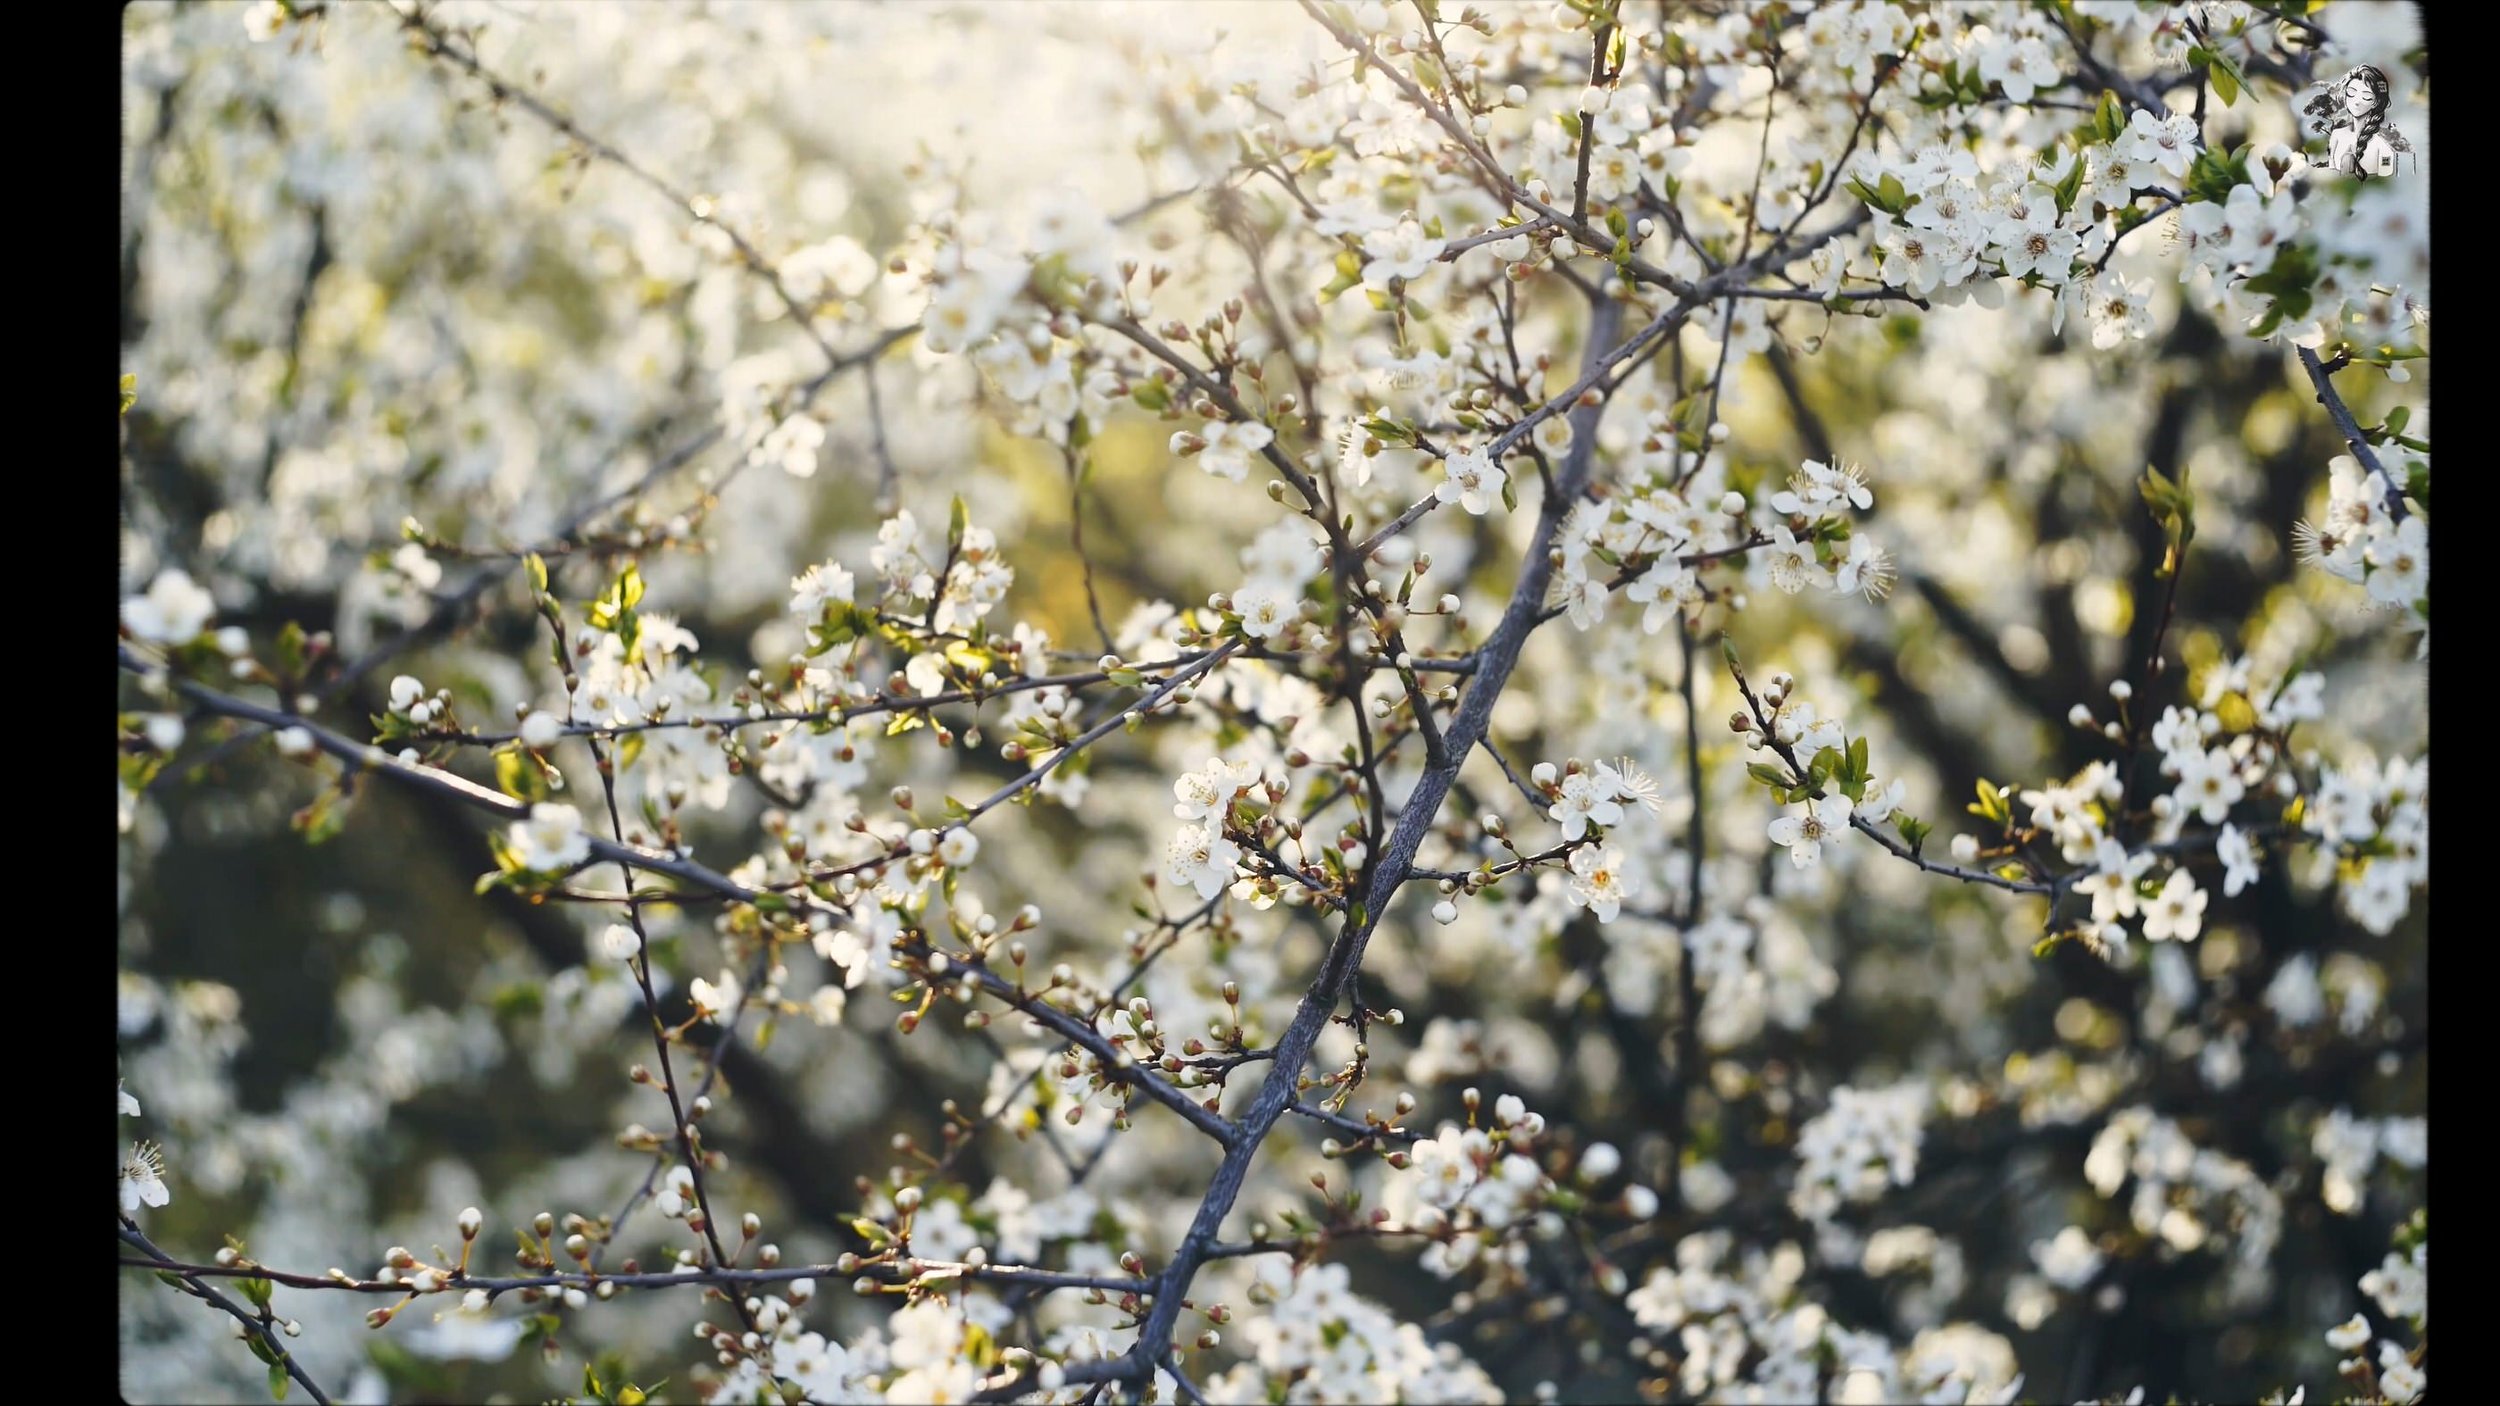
point(1287, 711)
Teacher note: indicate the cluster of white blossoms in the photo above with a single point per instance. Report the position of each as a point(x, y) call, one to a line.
point(1316, 1340)
point(1476, 1178)
point(1737, 1326)
point(2370, 534)
point(1658, 541)
point(2372, 824)
point(2400, 1288)
point(1821, 773)
point(2347, 1148)
point(2187, 1197)
point(1201, 855)
point(922, 1352)
point(2237, 786)
point(1586, 799)
point(1278, 563)
point(1954, 221)
point(1865, 1141)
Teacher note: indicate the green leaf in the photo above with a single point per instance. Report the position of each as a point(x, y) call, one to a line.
point(2226, 79)
point(1825, 763)
point(517, 775)
point(1855, 763)
point(536, 566)
point(130, 391)
point(1994, 804)
point(2109, 120)
point(958, 517)
point(322, 818)
point(1768, 774)
point(2069, 186)
point(277, 1381)
point(1913, 830)
point(2215, 173)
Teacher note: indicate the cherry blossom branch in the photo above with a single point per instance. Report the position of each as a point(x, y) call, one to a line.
point(901, 703)
point(2322, 377)
point(374, 759)
point(906, 1272)
point(190, 1276)
point(1595, 372)
point(1765, 721)
point(1451, 249)
point(1119, 718)
point(1475, 714)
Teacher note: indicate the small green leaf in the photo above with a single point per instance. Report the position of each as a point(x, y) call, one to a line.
point(1993, 803)
point(517, 775)
point(2226, 79)
point(1826, 762)
point(277, 1381)
point(2109, 120)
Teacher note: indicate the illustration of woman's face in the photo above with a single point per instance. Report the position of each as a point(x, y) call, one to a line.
point(2359, 96)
